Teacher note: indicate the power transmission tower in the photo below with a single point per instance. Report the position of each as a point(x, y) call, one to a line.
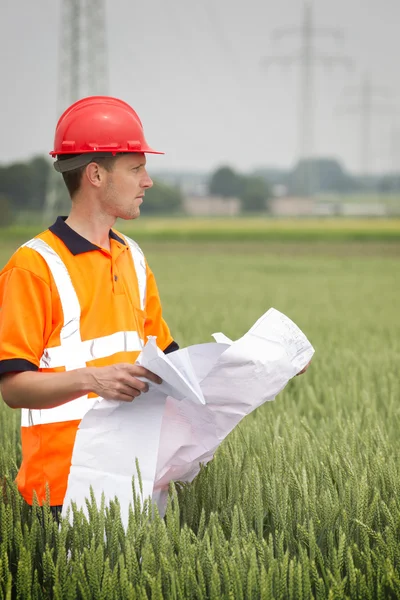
point(82, 71)
point(308, 57)
point(366, 108)
point(96, 63)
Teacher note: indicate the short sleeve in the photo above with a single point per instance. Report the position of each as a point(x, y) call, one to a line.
point(155, 324)
point(25, 309)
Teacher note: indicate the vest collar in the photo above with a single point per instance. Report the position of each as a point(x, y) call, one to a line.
point(75, 243)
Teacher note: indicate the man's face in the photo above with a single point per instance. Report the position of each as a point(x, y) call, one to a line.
point(125, 186)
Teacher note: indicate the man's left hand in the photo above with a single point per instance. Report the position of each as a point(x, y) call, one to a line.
point(305, 369)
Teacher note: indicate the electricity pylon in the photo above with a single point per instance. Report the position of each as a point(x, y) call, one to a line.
point(367, 94)
point(308, 57)
point(82, 71)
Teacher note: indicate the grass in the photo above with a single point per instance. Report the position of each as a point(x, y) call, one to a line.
point(259, 228)
point(302, 499)
point(266, 229)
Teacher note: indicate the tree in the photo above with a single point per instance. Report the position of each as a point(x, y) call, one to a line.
point(25, 184)
point(40, 168)
point(252, 190)
point(162, 199)
point(15, 184)
point(225, 182)
point(255, 194)
point(389, 183)
point(6, 212)
point(311, 176)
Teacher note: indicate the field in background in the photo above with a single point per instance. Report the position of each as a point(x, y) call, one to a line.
point(302, 499)
point(261, 229)
point(265, 229)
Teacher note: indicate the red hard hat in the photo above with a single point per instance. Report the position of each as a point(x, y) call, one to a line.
point(99, 124)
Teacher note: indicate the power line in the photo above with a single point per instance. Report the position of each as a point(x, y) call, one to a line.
point(192, 52)
point(218, 26)
point(367, 93)
point(308, 57)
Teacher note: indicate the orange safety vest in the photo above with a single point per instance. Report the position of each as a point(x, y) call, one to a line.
point(48, 435)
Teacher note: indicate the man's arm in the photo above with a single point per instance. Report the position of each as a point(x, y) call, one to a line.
point(35, 390)
point(25, 322)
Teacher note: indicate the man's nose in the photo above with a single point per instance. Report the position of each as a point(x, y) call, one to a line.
point(147, 182)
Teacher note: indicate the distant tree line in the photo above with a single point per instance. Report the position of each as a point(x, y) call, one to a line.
point(24, 186)
point(326, 175)
point(307, 178)
point(253, 191)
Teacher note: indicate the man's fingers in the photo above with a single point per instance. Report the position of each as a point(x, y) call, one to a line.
point(138, 371)
point(126, 398)
point(137, 384)
point(125, 394)
point(305, 369)
point(121, 381)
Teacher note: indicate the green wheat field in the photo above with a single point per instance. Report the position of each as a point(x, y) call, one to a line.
point(302, 500)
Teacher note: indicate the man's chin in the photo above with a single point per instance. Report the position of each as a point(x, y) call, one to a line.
point(132, 216)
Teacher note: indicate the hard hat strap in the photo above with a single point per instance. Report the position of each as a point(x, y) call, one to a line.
point(70, 164)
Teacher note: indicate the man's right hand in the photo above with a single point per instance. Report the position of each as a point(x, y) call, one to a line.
point(120, 381)
point(33, 390)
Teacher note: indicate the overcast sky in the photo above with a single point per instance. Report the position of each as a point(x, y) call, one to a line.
point(192, 71)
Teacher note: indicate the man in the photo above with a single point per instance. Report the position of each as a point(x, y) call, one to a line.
point(79, 300)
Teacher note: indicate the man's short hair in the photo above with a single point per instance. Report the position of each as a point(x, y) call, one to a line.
point(72, 179)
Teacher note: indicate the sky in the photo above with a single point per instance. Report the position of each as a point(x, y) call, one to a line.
point(193, 71)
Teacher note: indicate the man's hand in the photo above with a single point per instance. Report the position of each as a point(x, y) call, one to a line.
point(37, 391)
point(120, 382)
point(305, 369)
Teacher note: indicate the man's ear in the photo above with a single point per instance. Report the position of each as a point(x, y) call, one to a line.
point(94, 174)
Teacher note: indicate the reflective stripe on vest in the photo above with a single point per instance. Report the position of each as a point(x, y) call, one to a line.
point(140, 268)
point(73, 353)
